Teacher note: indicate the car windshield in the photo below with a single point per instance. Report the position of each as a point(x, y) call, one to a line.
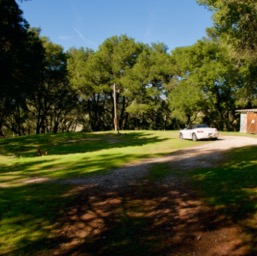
point(201, 126)
point(194, 126)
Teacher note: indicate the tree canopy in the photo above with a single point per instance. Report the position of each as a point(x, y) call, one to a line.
point(45, 89)
point(236, 22)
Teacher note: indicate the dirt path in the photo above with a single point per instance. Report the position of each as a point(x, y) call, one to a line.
point(123, 213)
point(206, 155)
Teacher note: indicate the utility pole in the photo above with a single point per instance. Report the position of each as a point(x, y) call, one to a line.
point(115, 121)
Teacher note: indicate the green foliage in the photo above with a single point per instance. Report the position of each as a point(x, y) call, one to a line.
point(186, 101)
point(145, 87)
point(139, 72)
point(53, 100)
point(235, 23)
point(21, 55)
point(137, 110)
point(45, 89)
point(36, 97)
point(77, 69)
point(206, 83)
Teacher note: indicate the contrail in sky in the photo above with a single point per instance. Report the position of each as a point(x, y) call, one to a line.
point(80, 35)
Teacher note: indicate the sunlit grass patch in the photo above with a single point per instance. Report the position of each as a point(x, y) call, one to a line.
point(33, 201)
point(231, 189)
point(77, 155)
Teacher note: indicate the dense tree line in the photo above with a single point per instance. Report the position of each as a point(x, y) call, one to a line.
point(47, 90)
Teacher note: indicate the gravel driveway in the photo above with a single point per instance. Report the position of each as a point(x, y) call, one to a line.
point(201, 156)
point(178, 222)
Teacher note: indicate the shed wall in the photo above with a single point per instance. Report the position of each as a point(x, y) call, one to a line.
point(252, 122)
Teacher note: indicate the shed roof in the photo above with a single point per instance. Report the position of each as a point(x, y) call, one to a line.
point(247, 110)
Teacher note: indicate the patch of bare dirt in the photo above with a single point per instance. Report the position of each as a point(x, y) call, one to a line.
point(124, 213)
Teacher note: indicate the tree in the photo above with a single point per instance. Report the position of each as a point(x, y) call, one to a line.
point(206, 83)
point(87, 75)
point(145, 87)
point(94, 74)
point(20, 62)
point(235, 22)
point(139, 73)
point(53, 100)
point(118, 55)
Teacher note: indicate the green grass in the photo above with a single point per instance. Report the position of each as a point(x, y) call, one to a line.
point(232, 185)
point(231, 189)
point(30, 212)
point(79, 154)
point(28, 217)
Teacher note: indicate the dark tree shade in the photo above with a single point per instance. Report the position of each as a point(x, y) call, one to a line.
point(21, 57)
point(20, 53)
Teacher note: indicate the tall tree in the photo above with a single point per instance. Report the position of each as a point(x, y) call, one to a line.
point(207, 82)
point(145, 87)
point(235, 22)
point(87, 74)
point(20, 59)
point(100, 71)
point(53, 99)
point(118, 55)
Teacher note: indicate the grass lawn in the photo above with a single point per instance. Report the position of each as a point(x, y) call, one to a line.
point(79, 154)
point(231, 189)
point(29, 212)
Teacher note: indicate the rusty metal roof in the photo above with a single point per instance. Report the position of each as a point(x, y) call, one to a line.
point(247, 110)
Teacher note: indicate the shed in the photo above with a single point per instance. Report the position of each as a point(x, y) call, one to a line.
point(248, 120)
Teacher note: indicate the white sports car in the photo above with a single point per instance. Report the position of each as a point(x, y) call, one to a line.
point(198, 132)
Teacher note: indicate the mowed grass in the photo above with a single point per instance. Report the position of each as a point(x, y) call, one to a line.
point(231, 190)
point(79, 154)
point(30, 211)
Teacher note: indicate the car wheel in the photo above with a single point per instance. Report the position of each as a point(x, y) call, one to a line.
point(194, 138)
point(181, 136)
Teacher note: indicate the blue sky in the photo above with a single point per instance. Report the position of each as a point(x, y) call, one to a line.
point(88, 23)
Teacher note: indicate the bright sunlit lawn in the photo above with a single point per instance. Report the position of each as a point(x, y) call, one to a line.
point(79, 154)
point(29, 211)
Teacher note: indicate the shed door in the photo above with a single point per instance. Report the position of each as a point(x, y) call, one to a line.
point(243, 122)
point(252, 122)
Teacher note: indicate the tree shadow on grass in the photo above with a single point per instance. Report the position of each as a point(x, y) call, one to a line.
point(140, 219)
point(28, 216)
point(47, 168)
point(144, 217)
point(232, 190)
point(70, 143)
